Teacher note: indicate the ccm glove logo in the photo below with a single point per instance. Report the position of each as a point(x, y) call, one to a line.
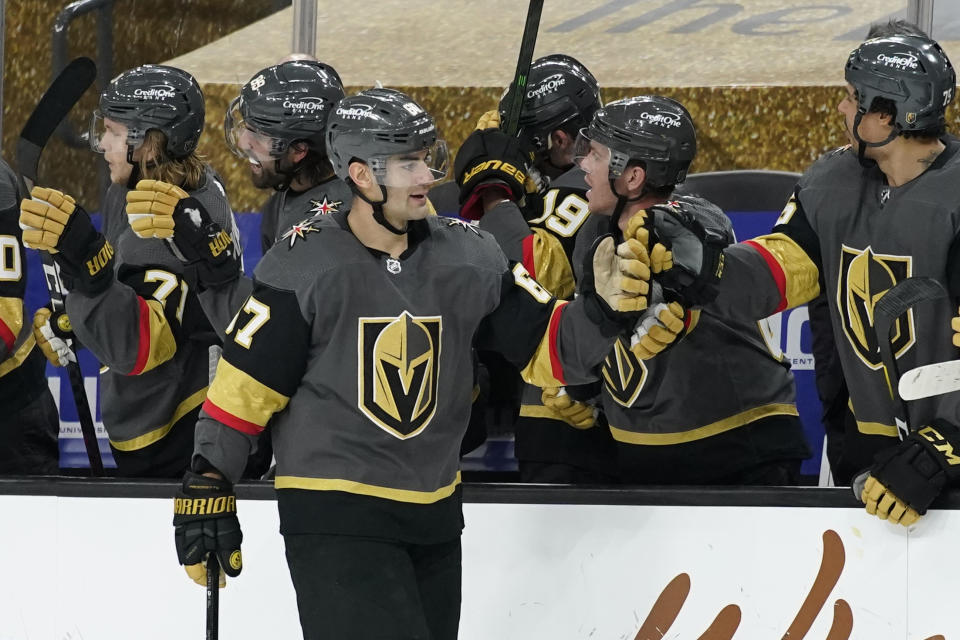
point(204, 506)
point(496, 165)
point(940, 444)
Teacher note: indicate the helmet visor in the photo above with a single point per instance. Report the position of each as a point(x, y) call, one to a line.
point(591, 156)
point(414, 169)
point(245, 141)
point(107, 135)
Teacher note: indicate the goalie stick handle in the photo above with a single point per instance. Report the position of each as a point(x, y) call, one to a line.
point(511, 124)
point(897, 301)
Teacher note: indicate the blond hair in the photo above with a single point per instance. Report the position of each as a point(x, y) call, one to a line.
point(156, 164)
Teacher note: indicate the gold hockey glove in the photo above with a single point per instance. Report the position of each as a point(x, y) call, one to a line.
point(53, 221)
point(619, 275)
point(955, 325)
point(657, 330)
point(54, 336)
point(489, 120)
point(150, 208)
point(577, 414)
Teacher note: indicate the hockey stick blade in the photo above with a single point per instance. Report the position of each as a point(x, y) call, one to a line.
point(64, 92)
point(930, 380)
point(511, 125)
point(897, 301)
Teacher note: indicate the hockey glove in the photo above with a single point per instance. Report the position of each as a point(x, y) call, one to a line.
point(489, 160)
point(489, 120)
point(658, 329)
point(955, 326)
point(905, 479)
point(617, 276)
point(55, 336)
point(161, 210)
point(577, 414)
point(53, 221)
point(689, 261)
point(205, 522)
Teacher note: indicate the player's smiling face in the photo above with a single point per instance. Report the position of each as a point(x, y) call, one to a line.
point(408, 178)
point(258, 148)
point(874, 127)
point(596, 165)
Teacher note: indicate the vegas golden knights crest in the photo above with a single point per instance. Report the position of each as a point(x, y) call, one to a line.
point(398, 373)
point(864, 277)
point(624, 374)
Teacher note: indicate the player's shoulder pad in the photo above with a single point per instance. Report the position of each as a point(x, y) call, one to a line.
point(832, 167)
point(465, 242)
point(572, 180)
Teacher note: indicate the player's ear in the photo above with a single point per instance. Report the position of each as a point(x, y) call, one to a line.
point(561, 139)
point(634, 176)
point(360, 174)
point(298, 151)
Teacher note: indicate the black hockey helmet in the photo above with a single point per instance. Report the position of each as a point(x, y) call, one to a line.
point(378, 123)
point(656, 130)
point(153, 96)
point(911, 71)
point(560, 90)
point(285, 103)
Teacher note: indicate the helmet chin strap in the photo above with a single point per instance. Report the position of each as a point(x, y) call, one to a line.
point(377, 207)
point(863, 144)
point(622, 201)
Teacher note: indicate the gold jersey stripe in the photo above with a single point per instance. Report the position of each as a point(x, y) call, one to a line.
point(359, 488)
point(185, 407)
point(551, 265)
point(163, 345)
point(241, 395)
point(873, 428)
point(720, 426)
point(11, 314)
point(540, 369)
point(802, 275)
point(18, 356)
point(538, 411)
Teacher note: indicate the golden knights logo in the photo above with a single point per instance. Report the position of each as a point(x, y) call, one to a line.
point(623, 374)
point(399, 371)
point(864, 277)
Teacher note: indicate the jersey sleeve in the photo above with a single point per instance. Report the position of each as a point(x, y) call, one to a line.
point(220, 304)
point(135, 325)
point(773, 272)
point(264, 360)
point(552, 342)
point(12, 282)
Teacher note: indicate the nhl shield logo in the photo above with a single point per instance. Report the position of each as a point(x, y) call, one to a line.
point(399, 372)
point(624, 374)
point(864, 277)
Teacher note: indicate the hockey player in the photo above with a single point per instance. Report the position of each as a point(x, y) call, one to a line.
point(29, 423)
point(718, 406)
point(360, 331)
point(129, 302)
point(861, 219)
point(565, 443)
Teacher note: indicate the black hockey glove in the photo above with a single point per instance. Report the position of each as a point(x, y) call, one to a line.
point(615, 283)
point(693, 261)
point(53, 221)
point(205, 522)
point(162, 210)
point(905, 479)
point(489, 159)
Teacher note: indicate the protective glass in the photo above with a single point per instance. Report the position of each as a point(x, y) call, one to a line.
point(414, 169)
point(105, 135)
point(245, 141)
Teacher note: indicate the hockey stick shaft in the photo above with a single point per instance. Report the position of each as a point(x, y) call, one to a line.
point(896, 302)
point(530, 28)
point(213, 597)
point(64, 92)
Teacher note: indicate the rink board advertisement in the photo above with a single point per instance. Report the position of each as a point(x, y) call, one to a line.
point(788, 334)
point(105, 569)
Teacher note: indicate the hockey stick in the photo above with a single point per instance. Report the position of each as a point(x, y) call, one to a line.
point(213, 597)
point(512, 123)
point(893, 304)
point(930, 380)
point(64, 92)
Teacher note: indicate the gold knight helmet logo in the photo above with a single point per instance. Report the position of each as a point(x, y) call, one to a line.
point(623, 374)
point(399, 372)
point(864, 277)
